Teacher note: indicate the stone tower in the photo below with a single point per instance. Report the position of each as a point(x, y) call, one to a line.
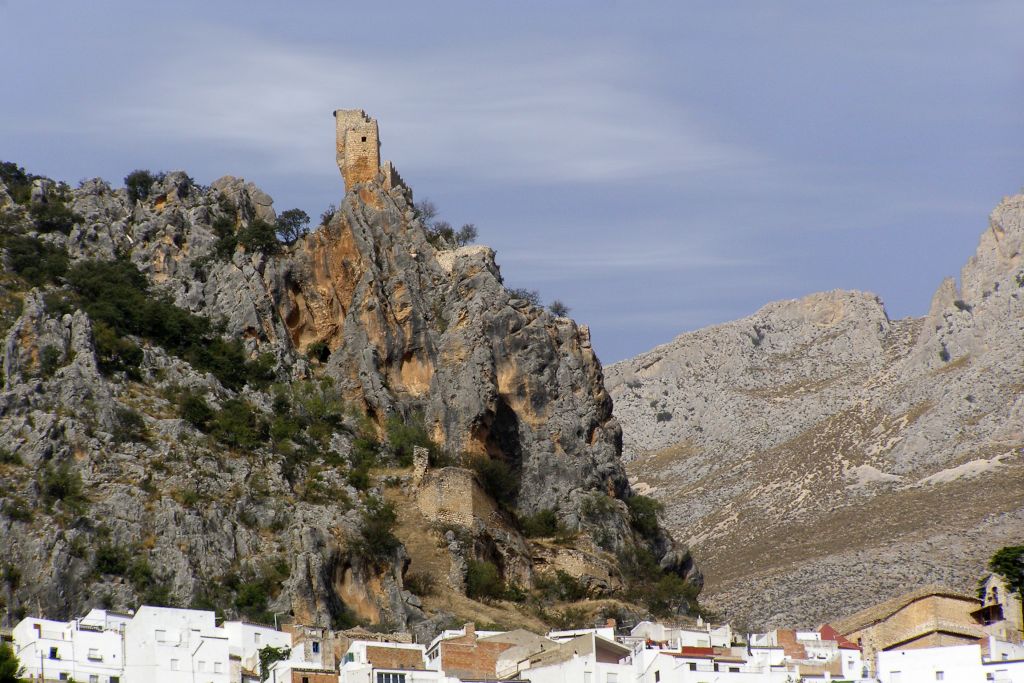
point(358, 146)
point(359, 151)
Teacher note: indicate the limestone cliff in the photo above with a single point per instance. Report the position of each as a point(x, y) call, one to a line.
point(819, 457)
point(247, 462)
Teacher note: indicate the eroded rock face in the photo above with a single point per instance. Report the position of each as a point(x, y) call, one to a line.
point(819, 457)
point(409, 330)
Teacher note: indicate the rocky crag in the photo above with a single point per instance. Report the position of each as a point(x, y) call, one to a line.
point(193, 413)
point(820, 457)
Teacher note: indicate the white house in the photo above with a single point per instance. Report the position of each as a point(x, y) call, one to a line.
point(588, 658)
point(368, 661)
point(245, 641)
point(167, 645)
point(955, 663)
point(675, 637)
point(88, 650)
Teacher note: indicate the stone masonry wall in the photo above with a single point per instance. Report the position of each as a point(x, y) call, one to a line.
point(384, 657)
point(358, 146)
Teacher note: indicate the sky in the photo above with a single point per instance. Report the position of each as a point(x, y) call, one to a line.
point(656, 166)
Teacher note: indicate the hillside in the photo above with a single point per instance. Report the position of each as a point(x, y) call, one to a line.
point(355, 425)
point(820, 457)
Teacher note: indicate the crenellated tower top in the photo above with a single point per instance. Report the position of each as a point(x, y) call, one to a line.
point(358, 150)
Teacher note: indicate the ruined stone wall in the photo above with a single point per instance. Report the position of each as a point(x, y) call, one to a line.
point(358, 146)
point(452, 495)
point(384, 657)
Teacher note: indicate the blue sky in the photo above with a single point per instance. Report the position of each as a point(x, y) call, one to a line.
point(658, 166)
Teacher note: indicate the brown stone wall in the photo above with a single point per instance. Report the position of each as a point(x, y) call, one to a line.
point(938, 640)
point(452, 495)
point(358, 146)
point(383, 657)
point(931, 613)
point(467, 657)
point(300, 676)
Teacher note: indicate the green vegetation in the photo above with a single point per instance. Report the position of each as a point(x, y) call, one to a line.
point(664, 593)
point(139, 183)
point(420, 583)
point(1008, 563)
point(561, 587)
point(17, 510)
point(62, 483)
point(239, 424)
point(111, 559)
point(543, 523)
point(483, 581)
point(54, 216)
point(116, 296)
point(37, 262)
point(318, 351)
point(440, 234)
point(18, 182)
point(376, 540)
point(497, 479)
point(195, 410)
point(129, 426)
point(49, 360)
point(8, 457)
point(405, 434)
point(643, 513)
point(270, 654)
point(292, 224)
point(253, 594)
point(10, 668)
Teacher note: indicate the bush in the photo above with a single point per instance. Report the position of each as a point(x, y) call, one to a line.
point(36, 261)
point(559, 309)
point(663, 416)
point(139, 183)
point(18, 182)
point(540, 524)
point(49, 360)
point(405, 435)
point(259, 236)
point(111, 559)
point(598, 507)
point(377, 540)
point(64, 484)
point(643, 513)
point(497, 479)
point(238, 424)
point(318, 351)
point(483, 581)
point(561, 587)
point(128, 426)
point(328, 214)
point(195, 410)
point(54, 216)
point(16, 509)
point(530, 296)
point(8, 457)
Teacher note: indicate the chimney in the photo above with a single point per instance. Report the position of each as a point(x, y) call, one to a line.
point(470, 629)
point(610, 623)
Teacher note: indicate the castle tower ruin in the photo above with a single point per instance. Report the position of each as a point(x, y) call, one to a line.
point(358, 145)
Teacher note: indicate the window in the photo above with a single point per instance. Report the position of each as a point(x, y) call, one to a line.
point(657, 676)
point(201, 667)
point(364, 138)
point(586, 677)
point(256, 638)
point(216, 667)
point(161, 635)
point(940, 675)
point(174, 665)
point(93, 678)
point(611, 678)
point(734, 669)
point(390, 677)
point(316, 647)
point(53, 653)
point(115, 679)
point(94, 655)
point(693, 666)
point(896, 677)
point(63, 676)
point(305, 679)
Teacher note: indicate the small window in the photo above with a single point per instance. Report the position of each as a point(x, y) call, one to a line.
point(611, 678)
point(115, 679)
point(364, 138)
point(201, 667)
point(161, 635)
point(53, 653)
point(216, 667)
point(940, 675)
point(693, 666)
point(390, 677)
point(305, 679)
point(174, 665)
point(657, 676)
point(256, 638)
point(93, 678)
point(734, 669)
point(63, 676)
point(316, 647)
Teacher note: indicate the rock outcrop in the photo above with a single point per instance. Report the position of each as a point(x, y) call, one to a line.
point(164, 482)
point(819, 457)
